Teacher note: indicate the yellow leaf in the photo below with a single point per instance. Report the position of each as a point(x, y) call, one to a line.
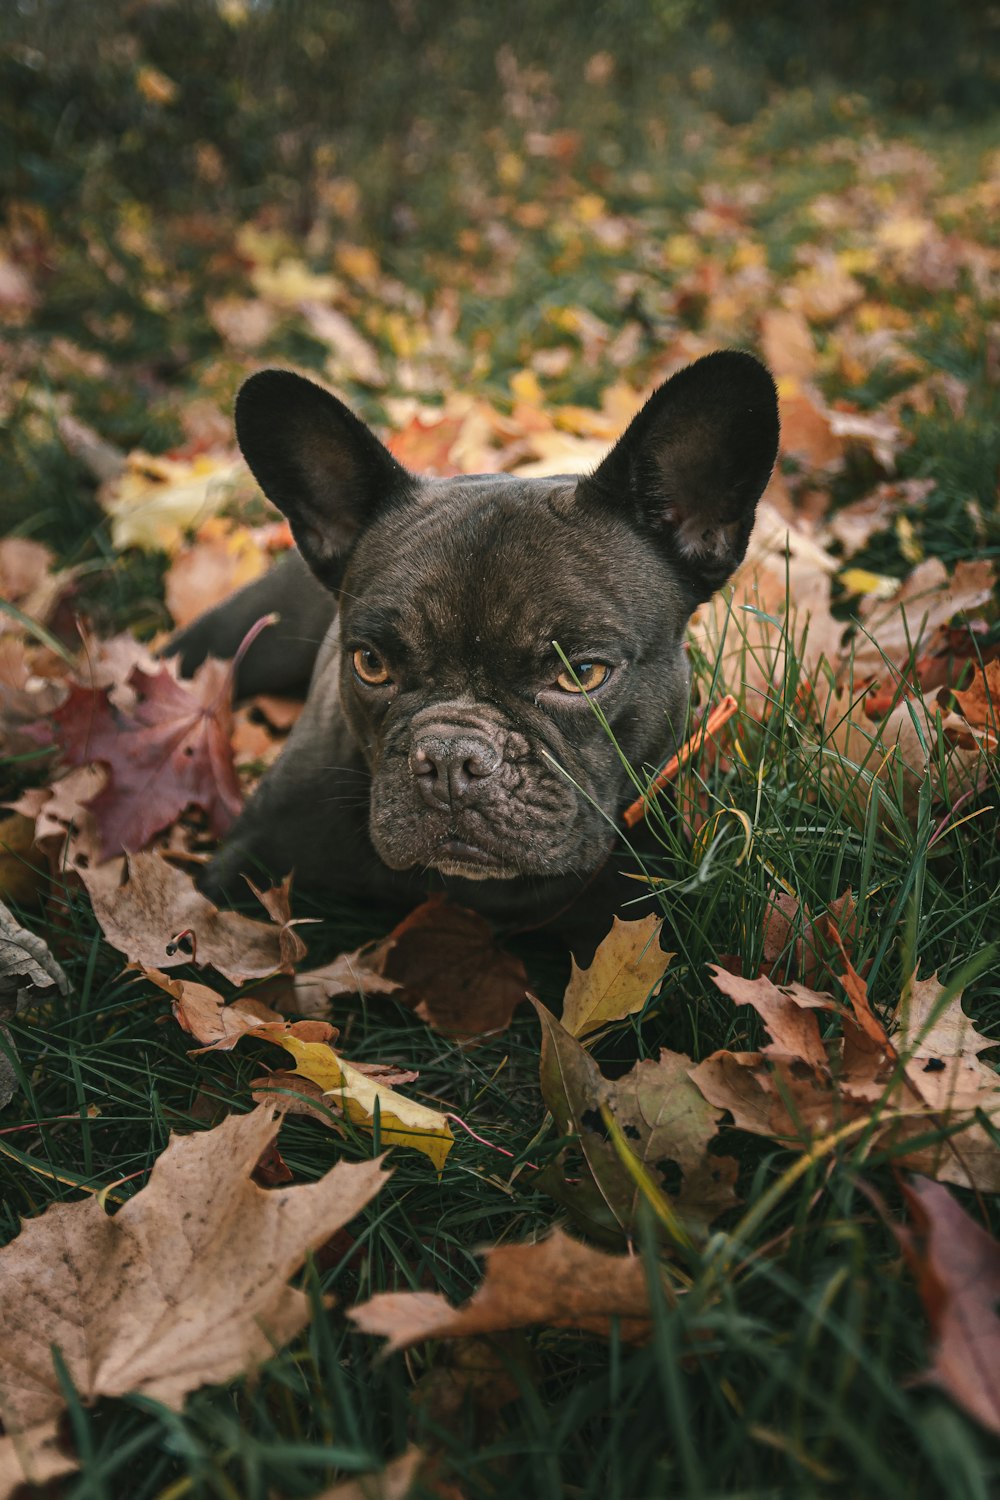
point(357, 262)
point(903, 233)
point(291, 282)
point(909, 544)
point(155, 500)
point(682, 252)
point(589, 207)
point(860, 581)
point(155, 86)
point(524, 386)
point(403, 1122)
point(510, 169)
point(626, 966)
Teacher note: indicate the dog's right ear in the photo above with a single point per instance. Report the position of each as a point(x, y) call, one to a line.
point(318, 463)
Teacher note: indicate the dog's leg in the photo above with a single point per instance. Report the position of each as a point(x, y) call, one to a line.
point(282, 658)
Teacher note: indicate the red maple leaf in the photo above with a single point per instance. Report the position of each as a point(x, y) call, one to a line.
point(171, 751)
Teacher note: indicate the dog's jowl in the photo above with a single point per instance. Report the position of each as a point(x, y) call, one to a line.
point(457, 635)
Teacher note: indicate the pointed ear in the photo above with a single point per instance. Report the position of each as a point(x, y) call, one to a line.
point(692, 465)
point(317, 462)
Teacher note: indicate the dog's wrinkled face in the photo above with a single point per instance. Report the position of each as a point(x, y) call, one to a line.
point(487, 755)
point(505, 642)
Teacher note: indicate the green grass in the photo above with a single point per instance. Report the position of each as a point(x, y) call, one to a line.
point(792, 1376)
point(789, 1377)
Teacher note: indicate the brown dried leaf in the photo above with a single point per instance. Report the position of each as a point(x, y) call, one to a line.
point(187, 1285)
point(205, 1015)
point(158, 902)
point(556, 1282)
point(901, 629)
point(442, 960)
point(628, 964)
point(801, 1085)
point(957, 1266)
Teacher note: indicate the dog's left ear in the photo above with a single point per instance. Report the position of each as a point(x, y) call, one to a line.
point(692, 465)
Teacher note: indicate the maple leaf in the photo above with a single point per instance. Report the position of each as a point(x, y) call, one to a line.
point(664, 1119)
point(627, 966)
point(925, 1077)
point(957, 1266)
point(557, 1282)
point(158, 903)
point(171, 752)
point(442, 960)
point(187, 1285)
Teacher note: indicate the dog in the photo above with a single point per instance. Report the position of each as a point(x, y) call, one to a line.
point(483, 654)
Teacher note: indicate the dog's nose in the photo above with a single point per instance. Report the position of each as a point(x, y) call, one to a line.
point(446, 766)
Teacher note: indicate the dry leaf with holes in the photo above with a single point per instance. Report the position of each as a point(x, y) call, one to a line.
point(925, 1077)
point(158, 903)
point(185, 1286)
point(557, 1282)
point(667, 1123)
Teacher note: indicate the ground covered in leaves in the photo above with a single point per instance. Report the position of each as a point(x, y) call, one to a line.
point(300, 1202)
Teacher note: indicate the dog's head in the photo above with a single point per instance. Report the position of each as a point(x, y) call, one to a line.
point(506, 644)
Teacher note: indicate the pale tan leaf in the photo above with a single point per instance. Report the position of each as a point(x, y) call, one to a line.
point(187, 1285)
point(158, 901)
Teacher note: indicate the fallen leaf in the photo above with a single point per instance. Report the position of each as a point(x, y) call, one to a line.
point(787, 344)
point(172, 752)
point(557, 1282)
point(155, 500)
point(187, 1285)
point(923, 1077)
point(957, 1267)
point(29, 975)
point(442, 960)
point(980, 702)
point(663, 1117)
point(402, 1121)
point(627, 966)
point(158, 902)
point(899, 630)
point(220, 559)
point(295, 1095)
point(203, 1013)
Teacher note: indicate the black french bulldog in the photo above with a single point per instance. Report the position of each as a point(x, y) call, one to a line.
point(446, 742)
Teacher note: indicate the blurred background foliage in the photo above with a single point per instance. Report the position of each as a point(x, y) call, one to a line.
point(394, 88)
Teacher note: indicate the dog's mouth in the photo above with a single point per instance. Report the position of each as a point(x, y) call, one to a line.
point(455, 856)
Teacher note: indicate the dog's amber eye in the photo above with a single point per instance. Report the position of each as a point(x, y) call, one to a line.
point(370, 667)
point(585, 677)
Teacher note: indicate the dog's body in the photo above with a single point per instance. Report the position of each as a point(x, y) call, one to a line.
point(458, 635)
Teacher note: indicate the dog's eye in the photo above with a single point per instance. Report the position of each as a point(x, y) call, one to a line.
point(370, 668)
point(585, 677)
